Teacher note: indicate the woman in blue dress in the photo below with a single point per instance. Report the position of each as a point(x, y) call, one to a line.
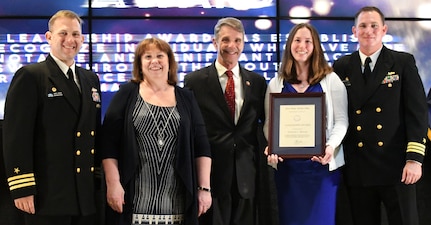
point(306, 188)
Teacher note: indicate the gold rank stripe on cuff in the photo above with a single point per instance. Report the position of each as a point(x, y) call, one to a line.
point(20, 181)
point(416, 147)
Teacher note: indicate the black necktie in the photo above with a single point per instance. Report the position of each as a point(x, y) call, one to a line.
point(70, 75)
point(71, 79)
point(74, 87)
point(367, 69)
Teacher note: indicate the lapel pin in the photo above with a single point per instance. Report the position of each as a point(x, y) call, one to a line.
point(247, 83)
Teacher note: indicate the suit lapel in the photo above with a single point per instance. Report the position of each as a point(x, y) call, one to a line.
point(246, 83)
point(85, 88)
point(383, 65)
point(367, 90)
point(355, 75)
point(60, 83)
point(357, 80)
point(360, 89)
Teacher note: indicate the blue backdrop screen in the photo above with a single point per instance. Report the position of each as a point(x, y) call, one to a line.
point(116, 26)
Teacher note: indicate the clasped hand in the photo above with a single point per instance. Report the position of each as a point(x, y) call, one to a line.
point(273, 159)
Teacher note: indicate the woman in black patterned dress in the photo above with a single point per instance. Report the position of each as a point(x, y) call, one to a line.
point(154, 146)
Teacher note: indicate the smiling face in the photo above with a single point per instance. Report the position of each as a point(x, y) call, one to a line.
point(155, 63)
point(229, 44)
point(302, 45)
point(370, 31)
point(65, 39)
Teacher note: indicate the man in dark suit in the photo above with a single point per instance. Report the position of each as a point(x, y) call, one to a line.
point(52, 113)
point(232, 131)
point(385, 144)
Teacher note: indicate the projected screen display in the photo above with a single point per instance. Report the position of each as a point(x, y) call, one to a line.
point(23, 42)
point(184, 8)
point(343, 8)
point(118, 25)
point(41, 8)
point(336, 37)
point(337, 40)
point(114, 45)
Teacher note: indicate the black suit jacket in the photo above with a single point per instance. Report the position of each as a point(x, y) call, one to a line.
point(49, 146)
point(234, 148)
point(387, 117)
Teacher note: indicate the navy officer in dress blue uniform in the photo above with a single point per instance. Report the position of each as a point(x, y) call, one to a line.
point(52, 113)
point(385, 144)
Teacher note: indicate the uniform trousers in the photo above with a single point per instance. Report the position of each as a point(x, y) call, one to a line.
point(398, 200)
point(31, 219)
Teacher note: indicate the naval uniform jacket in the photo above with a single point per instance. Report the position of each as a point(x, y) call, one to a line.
point(234, 147)
point(387, 118)
point(49, 146)
point(119, 142)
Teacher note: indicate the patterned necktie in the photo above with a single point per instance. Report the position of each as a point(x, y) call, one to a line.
point(229, 93)
point(367, 69)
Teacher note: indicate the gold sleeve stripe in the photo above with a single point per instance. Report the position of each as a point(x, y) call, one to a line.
point(26, 180)
point(22, 185)
point(429, 134)
point(416, 147)
point(22, 176)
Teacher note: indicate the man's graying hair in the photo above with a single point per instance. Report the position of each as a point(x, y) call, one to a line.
point(235, 23)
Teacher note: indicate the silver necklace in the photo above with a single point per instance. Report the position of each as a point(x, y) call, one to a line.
point(160, 133)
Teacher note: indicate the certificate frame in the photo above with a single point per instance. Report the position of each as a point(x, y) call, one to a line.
point(300, 133)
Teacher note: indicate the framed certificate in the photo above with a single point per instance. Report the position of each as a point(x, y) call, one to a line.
point(297, 125)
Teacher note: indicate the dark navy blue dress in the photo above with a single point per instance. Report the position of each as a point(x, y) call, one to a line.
point(306, 189)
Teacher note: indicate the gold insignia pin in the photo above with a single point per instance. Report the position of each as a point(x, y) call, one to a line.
point(53, 89)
